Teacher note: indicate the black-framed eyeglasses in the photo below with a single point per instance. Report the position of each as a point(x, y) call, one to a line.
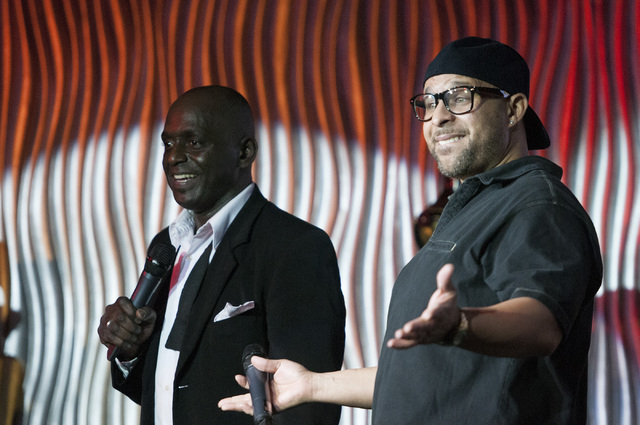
point(457, 100)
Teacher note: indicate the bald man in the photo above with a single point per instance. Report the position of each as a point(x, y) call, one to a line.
point(246, 272)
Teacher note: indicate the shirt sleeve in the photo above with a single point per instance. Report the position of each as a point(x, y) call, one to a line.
point(544, 252)
point(126, 366)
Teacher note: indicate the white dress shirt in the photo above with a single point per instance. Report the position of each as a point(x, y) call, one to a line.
point(192, 246)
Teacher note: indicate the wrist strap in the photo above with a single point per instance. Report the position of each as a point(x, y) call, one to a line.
point(457, 335)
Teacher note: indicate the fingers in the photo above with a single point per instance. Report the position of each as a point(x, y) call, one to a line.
point(289, 386)
point(265, 365)
point(435, 321)
point(401, 342)
point(239, 403)
point(242, 381)
point(145, 314)
point(127, 307)
point(124, 326)
point(405, 337)
point(119, 319)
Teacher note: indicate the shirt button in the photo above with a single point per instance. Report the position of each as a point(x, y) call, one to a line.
point(166, 388)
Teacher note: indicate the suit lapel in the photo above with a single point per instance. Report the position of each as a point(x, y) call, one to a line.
point(224, 262)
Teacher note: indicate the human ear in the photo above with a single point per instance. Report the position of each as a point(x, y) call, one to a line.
point(248, 152)
point(518, 104)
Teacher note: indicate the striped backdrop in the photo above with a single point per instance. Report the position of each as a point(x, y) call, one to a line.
point(85, 84)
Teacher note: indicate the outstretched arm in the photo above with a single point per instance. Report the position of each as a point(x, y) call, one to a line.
point(518, 327)
point(293, 385)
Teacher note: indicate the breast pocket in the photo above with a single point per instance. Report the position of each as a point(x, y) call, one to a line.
point(440, 246)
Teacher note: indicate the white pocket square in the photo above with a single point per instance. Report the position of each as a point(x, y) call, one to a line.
point(233, 310)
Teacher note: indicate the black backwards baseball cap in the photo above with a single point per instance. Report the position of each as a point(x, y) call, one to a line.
point(497, 64)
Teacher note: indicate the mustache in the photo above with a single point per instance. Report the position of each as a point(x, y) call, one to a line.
point(449, 131)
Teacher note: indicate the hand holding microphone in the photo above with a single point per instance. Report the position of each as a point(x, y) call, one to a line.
point(289, 384)
point(258, 385)
point(158, 263)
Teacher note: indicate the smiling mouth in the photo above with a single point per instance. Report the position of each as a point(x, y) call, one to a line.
point(181, 178)
point(449, 140)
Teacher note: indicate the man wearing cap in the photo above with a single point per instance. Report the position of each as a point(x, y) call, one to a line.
point(508, 278)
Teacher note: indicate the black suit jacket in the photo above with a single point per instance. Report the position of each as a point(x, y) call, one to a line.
point(289, 269)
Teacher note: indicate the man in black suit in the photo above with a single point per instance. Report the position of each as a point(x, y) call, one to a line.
point(265, 277)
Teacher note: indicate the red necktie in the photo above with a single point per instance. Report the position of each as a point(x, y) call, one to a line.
point(175, 274)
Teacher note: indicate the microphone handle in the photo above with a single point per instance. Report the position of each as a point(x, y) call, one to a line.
point(146, 287)
point(113, 352)
point(258, 388)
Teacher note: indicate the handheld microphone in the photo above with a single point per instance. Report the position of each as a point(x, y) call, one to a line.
point(159, 261)
point(258, 385)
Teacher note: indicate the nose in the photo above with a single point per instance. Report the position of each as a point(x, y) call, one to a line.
point(175, 153)
point(441, 114)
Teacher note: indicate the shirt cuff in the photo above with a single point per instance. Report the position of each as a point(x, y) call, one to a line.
point(125, 367)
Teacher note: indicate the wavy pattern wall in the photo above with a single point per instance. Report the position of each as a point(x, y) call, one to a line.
point(84, 86)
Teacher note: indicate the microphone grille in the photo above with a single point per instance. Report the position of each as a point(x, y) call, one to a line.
point(160, 259)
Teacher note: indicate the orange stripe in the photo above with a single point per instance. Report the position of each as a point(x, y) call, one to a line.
point(207, 43)
point(41, 114)
point(317, 64)
point(359, 129)
point(176, 87)
point(359, 99)
point(524, 28)
point(122, 112)
point(86, 112)
point(590, 95)
point(104, 107)
point(569, 98)
point(190, 43)
point(282, 94)
point(380, 129)
point(24, 107)
point(6, 83)
point(379, 124)
point(166, 80)
point(55, 114)
point(74, 78)
point(503, 22)
point(451, 19)
point(221, 35)
point(413, 21)
point(251, 50)
point(471, 7)
point(298, 29)
point(399, 91)
point(324, 65)
point(5, 276)
point(152, 104)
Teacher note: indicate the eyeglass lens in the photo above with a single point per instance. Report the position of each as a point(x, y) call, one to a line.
point(457, 100)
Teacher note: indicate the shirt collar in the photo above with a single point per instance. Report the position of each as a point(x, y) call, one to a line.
point(181, 230)
point(518, 167)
